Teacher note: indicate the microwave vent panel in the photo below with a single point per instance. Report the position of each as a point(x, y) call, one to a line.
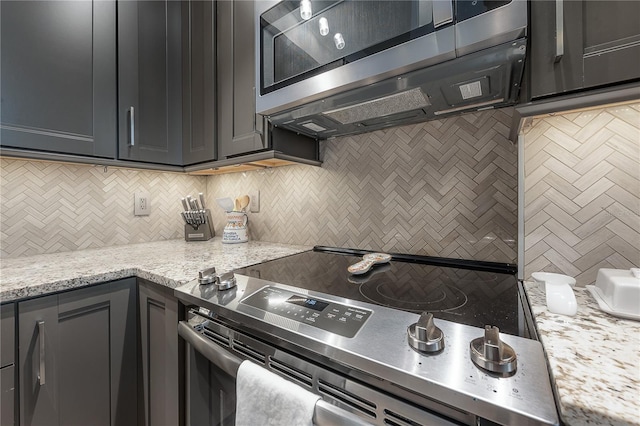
point(314, 127)
point(470, 90)
point(393, 104)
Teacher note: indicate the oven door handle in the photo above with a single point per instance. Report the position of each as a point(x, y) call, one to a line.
point(325, 414)
point(224, 360)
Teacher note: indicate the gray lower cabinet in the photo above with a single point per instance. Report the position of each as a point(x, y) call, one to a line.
point(150, 81)
point(7, 398)
point(582, 44)
point(239, 126)
point(58, 76)
point(7, 368)
point(160, 355)
point(77, 356)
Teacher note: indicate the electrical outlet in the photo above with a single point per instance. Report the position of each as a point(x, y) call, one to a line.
point(254, 203)
point(141, 204)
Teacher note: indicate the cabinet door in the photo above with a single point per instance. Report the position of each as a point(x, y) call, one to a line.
point(149, 81)
point(97, 355)
point(199, 81)
point(7, 370)
point(583, 44)
point(89, 352)
point(611, 41)
point(7, 398)
point(7, 334)
point(58, 76)
point(237, 120)
point(159, 354)
point(37, 347)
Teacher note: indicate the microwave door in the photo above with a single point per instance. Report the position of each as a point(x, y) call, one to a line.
point(334, 33)
point(344, 44)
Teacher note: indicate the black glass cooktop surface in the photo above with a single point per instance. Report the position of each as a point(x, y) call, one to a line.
point(454, 293)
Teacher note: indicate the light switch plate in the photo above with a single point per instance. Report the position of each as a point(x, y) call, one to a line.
point(141, 204)
point(254, 203)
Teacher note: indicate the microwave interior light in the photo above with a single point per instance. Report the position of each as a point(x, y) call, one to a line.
point(324, 26)
point(305, 9)
point(339, 41)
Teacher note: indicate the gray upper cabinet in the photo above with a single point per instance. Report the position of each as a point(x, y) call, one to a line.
point(583, 44)
point(77, 357)
point(150, 81)
point(238, 124)
point(58, 76)
point(199, 81)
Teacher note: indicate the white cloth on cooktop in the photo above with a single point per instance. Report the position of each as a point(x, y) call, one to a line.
point(264, 398)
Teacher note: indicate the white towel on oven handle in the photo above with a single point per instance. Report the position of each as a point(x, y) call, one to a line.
point(264, 398)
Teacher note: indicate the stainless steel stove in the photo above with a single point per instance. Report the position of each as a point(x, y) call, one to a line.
point(414, 341)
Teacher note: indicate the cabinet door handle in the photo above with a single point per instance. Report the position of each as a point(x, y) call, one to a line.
point(41, 377)
point(132, 126)
point(559, 30)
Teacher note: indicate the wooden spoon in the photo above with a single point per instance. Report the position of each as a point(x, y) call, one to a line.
point(244, 202)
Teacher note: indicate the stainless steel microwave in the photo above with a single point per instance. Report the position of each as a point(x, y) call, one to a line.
point(311, 50)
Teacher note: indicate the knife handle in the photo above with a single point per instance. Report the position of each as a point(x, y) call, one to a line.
point(184, 204)
point(201, 196)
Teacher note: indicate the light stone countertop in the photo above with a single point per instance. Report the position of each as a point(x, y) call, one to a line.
point(170, 263)
point(594, 359)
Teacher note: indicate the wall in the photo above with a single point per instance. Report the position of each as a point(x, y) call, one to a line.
point(443, 188)
point(52, 207)
point(582, 192)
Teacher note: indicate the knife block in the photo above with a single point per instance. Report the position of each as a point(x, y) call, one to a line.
point(203, 232)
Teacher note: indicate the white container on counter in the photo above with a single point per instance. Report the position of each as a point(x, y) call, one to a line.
point(558, 290)
point(617, 292)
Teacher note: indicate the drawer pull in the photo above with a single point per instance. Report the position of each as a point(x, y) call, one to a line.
point(41, 375)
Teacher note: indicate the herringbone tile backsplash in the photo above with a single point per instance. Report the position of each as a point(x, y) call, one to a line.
point(52, 207)
point(442, 188)
point(582, 192)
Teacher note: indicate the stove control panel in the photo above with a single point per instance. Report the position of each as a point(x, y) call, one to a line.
point(330, 316)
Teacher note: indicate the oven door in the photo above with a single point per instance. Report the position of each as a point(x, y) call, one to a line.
point(211, 391)
point(213, 358)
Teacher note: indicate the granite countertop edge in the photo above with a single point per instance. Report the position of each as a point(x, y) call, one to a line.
point(169, 263)
point(593, 358)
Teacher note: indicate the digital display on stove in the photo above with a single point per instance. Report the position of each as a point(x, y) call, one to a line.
point(308, 303)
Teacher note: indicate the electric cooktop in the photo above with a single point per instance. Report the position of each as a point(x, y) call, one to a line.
point(466, 292)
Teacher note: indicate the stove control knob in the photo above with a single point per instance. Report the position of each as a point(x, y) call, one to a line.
point(225, 281)
point(492, 354)
point(207, 276)
point(424, 336)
